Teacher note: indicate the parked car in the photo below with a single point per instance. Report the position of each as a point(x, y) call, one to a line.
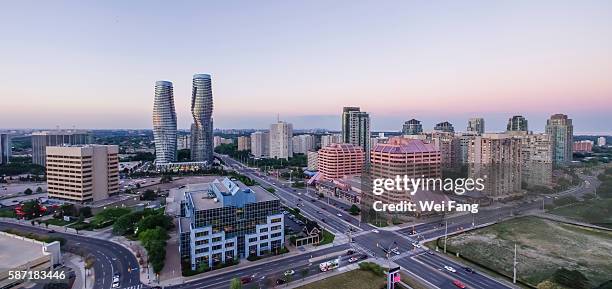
point(280, 281)
point(245, 280)
point(469, 270)
point(289, 272)
point(353, 259)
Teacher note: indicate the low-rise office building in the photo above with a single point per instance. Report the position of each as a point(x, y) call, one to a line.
point(22, 254)
point(225, 220)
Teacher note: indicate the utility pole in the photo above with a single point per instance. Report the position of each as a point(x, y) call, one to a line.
point(445, 234)
point(514, 265)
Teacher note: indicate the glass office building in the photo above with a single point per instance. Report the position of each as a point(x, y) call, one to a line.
point(224, 220)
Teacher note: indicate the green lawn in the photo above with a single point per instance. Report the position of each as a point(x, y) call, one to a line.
point(543, 247)
point(7, 213)
point(596, 211)
point(328, 238)
point(57, 222)
point(355, 279)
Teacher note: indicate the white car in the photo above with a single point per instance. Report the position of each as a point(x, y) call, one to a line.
point(416, 245)
point(450, 269)
point(375, 231)
point(115, 285)
point(339, 215)
point(289, 272)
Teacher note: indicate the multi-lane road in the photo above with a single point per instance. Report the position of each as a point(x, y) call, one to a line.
point(372, 241)
point(110, 258)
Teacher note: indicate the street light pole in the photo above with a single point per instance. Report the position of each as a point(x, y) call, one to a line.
point(514, 266)
point(473, 220)
point(445, 234)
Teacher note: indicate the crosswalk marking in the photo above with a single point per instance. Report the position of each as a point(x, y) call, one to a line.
point(139, 286)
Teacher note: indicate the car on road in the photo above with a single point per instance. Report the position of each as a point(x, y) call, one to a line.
point(396, 252)
point(116, 278)
point(318, 212)
point(469, 270)
point(280, 281)
point(350, 252)
point(375, 231)
point(430, 252)
point(246, 280)
point(51, 231)
point(416, 245)
point(450, 269)
point(339, 215)
point(313, 200)
point(289, 272)
point(458, 284)
point(363, 257)
point(115, 285)
point(353, 259)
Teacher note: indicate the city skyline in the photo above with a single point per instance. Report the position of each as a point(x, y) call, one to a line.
point(415, 60)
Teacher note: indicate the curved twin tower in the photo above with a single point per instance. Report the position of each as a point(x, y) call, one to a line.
point(165, 127)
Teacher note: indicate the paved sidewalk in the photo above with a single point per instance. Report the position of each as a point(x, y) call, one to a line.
point(76, 263)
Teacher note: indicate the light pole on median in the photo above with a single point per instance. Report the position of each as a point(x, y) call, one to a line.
point(473, 220)
point(445, 234)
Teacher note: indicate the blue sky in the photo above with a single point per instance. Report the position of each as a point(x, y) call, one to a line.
point(94, 64)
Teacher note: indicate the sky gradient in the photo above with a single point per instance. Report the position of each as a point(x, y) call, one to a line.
point(94, 65)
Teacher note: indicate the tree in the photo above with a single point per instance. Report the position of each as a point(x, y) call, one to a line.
point(39, 190)
point(154, 221)
point(354, 210)
point(165, 179)
point(31, 209)
point(68, 210)
point(304, 273)
point(124, 225)
point(235, 284)
point(149, 195)
point(571, 279)
point(85, 212)
point(28, 191)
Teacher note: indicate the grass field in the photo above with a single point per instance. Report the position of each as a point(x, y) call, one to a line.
point(355, 279)
point(57, 222)
point(597, 211)
point(543, 247)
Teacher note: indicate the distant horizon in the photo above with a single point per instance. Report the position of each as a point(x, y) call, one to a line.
point(95, 64)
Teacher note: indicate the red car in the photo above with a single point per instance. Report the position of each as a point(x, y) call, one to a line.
point(245, 280)
point(459, 284)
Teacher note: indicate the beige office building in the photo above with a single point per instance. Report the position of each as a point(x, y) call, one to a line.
point(496, 158)
point(313, 160)
point(244, 143)
point(536, 157)
point(82, 173)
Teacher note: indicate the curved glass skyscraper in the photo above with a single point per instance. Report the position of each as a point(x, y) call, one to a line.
point(164, 123)
point(202, 127)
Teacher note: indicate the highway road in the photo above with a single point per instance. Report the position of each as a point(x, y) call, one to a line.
point(109, 257)
point(267, 273)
